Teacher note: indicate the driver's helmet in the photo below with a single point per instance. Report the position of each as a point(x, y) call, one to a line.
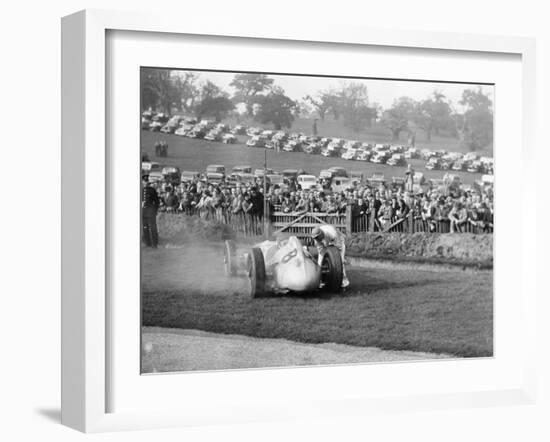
point(317, 234)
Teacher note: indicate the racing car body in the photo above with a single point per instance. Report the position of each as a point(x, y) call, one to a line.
point(284, 266)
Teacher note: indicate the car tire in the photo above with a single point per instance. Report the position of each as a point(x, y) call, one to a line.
point(230, 258)
point(256, 273)
point(332, 269)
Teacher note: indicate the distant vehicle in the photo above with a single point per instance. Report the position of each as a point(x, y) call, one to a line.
point(198, 131)
point(460, 165)
point(145, 123)
point(188, 176)
point(275, 179)
point(352, 144)
point(256, 141)
point(397, 148)
point(215, 168)
point(292, 146)
point(259, 173)
point(475, 166)
point(229, 139)
point(183, 131)
point(215, 178)
point(412, 152)
point(241, 169)
point(307, 182)
point(338, 171)
point(380, 157)
point(213, 135)
point(289, 174)
point(239, 130)
point(155, 176)
point(397, 159)
point(433, 163)
point(377, 178)
point(312, 148)
point(222, 127)
point(426, 154)
point(268, 133)
point(155, 126)
point(333, 149)
point(470, 156)
point(349, 154)
point(339, 184)
point(150, 166)
point(251, 131)
point(365, 155)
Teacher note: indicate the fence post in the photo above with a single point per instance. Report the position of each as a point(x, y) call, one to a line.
point(411, 222)
point(349, 220)
point(267, 222)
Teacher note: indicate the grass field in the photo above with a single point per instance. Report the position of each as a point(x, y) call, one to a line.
point(193, 154)
point(438, 311)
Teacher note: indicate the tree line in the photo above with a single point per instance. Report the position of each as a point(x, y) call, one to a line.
point(267, 103)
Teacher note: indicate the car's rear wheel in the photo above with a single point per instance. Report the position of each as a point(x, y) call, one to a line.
point(256, 273)
point(332, 269)
point(230, 258)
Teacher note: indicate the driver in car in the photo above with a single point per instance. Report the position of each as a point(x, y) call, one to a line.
point(327, 235)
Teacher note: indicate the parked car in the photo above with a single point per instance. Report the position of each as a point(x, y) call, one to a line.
point(215, 168)
point(349, 154)
point(213, 135)
point(256, 141)
point(475, 166)
point(412, 152)
point(155, 126)
point(188, 176)
point(433, 163)
point(292, 146)
point(340, 184)
point(460, 165)
point(241, 169)
point(150, 166)
point(338, 171)
point(307, 182)
point(365, 155)
point(380, 157)
point(239, 130)
point(145, 123)
point(397, 159)
point(251, 131)
point(312, 148)
point(229, 139)
point(376, 179)
point(259, 173)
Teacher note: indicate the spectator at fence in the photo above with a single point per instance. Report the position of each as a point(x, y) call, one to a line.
point(458, 217)
point(171, 201)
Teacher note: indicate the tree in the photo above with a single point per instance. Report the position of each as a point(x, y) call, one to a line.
point(324, 102)
point(185, 82)
point(158, 89)
point(275, 108)
point(397, 117)
point(213, 102)
point(248, 87)
point(475, 125)
point(433, 114)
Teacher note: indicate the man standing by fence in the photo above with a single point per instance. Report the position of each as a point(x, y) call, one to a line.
point(325, 236)
point(149, 206)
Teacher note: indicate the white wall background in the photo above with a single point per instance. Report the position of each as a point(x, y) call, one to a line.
point(30, 215)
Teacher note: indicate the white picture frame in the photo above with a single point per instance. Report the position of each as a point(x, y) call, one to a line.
point(85, 233)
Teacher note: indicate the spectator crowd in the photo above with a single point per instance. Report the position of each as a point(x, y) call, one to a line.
point(454, 206)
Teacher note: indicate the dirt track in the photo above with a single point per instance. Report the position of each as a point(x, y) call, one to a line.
point(169, 350)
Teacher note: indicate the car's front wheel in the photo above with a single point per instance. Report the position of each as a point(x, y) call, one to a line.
point(230, 258)
point(256, 272)
point(332, 269)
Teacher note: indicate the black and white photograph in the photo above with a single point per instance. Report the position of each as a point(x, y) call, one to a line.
point(306, 220)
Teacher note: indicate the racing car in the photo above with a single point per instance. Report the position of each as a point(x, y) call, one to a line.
point(284, 266)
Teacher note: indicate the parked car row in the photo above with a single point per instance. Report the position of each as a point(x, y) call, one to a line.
point(377, 153)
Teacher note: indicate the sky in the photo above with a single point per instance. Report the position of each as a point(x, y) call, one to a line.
point(383, 92)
